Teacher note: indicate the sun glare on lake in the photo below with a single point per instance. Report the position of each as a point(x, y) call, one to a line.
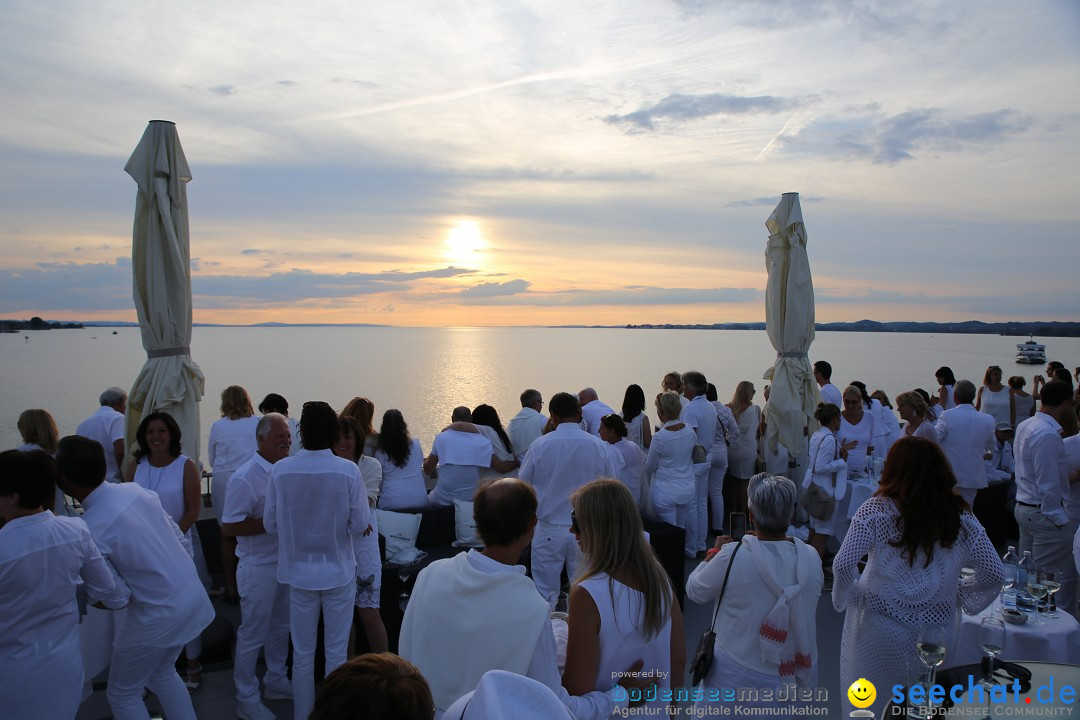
point(463, 242)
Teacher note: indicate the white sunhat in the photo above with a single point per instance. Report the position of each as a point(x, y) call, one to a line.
point(502, 695)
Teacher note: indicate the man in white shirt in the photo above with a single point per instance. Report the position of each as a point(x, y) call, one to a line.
point(1000, 465)
point(592, 410)
point(264, 602)
point(1042, 488)
point(168, 605)
point(316, 503)
point(829, 392)
point(528, 424)
point(966, 435)
point(42, 560)
point(107, 427)
point(477, 611)
point(556, 465)
point(700, 415)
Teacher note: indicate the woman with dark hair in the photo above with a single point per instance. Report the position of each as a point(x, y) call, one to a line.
point(622, 606)
point(363, 411)
point(994, 398)
point(638, 430)
point(366, 547)
point(402, 463)
point(161, 467)
point(946, 380)
point(486, 419)
point(873, 406)
point(742, 453)
point(826, 469)
point(627, 457)
point(1023, 403)
point(918, 534)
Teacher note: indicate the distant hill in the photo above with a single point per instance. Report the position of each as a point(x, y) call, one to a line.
point(968, 327)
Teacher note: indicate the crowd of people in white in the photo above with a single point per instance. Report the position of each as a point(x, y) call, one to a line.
point(298, 508)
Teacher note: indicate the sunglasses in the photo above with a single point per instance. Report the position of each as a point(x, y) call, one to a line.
point(574, 528)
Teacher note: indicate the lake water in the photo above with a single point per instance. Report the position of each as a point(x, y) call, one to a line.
point(426, 372)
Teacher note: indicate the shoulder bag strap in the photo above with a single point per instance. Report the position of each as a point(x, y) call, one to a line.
point(727, 574)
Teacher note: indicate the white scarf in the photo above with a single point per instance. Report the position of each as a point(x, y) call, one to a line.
point(782, 637)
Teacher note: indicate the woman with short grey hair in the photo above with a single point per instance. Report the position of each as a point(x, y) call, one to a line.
point(765, 624)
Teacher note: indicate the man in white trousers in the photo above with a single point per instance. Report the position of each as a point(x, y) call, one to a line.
point(700, 415)
point(316, 503)
point(557, 464)
point(168, 607)
point(264, 602)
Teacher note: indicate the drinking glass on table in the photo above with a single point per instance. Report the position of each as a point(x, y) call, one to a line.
point(930, 647)
point(1051, 578)
point(1008, 583)
point(1037, 590)
point(992, 641)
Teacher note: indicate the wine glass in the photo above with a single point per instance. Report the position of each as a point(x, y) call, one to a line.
point(1037, 590)
point(403, 576)
point(930, 646)
point(1051, 579)
point(1008, 583)
point(992, 641)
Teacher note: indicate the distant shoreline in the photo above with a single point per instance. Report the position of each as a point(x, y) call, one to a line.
point(969, 327)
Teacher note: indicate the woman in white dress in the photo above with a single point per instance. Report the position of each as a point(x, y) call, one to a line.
point(742, 454)
point(161, 467)
point(912, 408)
point(918, 535)
point(368, 562)
point(232, 443)
point(727, 434)
point(622, 606)
point(1023, 403)
point(772, 590)
point(402, 463)
point(670, 462)
point(946, 380)
point(827, 458)
point(627, 457)
point(638, 428)
point(856, 426)
point(994, 398)
point(873, 406)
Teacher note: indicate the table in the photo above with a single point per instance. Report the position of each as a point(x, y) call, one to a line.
point(1058, 640)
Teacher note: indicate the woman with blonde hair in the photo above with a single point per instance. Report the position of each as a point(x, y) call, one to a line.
point(622, 606)
point(742, 454)
point(1023, 403)
point(38, 431)
point(912, 408)
point(670, 462)
point(995, 398)
point(363, 411)
point(232, 443)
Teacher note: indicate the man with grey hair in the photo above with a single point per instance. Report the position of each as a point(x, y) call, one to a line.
point(264, 602)
point(106, 426)
point(966, 435)
point(701, 416)
point(592, 410)
point(528, 424)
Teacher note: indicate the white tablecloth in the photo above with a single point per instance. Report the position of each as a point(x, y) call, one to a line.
point(856, 493)
point(1058, 641)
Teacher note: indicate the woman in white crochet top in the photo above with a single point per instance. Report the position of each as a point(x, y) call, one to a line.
point(918, 534)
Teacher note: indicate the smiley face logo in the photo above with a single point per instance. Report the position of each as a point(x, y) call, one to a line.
point(862, 693)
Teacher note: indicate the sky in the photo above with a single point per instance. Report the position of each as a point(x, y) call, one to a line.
point(498, 162)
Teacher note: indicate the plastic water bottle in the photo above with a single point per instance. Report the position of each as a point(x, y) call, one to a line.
point(1027, 570)
point(871, 468)
point(1011, 563)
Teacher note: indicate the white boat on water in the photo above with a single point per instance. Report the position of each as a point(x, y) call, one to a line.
point(1030, 352)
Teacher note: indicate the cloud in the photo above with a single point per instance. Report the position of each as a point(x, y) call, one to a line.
point(256, 251)
point(495, 289)
point(223, 90)
point(64, 286)
point(893, 139)
point(678, 107)
point(635, 295)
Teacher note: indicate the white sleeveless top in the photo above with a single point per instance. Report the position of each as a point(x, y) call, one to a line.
point(634, 433)
point(168, 483)
point(996, 404)
point(622, 637)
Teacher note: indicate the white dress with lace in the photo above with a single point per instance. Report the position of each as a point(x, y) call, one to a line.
point(891, 600)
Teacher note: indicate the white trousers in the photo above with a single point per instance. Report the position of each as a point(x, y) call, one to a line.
point(337, 611)
point(666, 510)
point(716, 486)
point(552, 547)
point(138, 666)
point(264, 608)
point(697, 519)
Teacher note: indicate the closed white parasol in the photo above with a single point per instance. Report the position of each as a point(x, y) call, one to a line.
point(789, 320)
point(160, 258)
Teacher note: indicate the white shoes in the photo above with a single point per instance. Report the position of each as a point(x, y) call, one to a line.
point(254, 711)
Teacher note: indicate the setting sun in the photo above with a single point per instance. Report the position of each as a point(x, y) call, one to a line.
point(464, 241)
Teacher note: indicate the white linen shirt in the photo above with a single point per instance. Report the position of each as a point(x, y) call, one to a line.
point(671, 462)
point(169, 606)
point(316, 502)
point(1041, 475)
point(965, 434)
point(231, 443)
point(105, 426)
point(831, 394)
point(700, 414)
point(524, 429)
point(246, 500)
point(559, 463)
